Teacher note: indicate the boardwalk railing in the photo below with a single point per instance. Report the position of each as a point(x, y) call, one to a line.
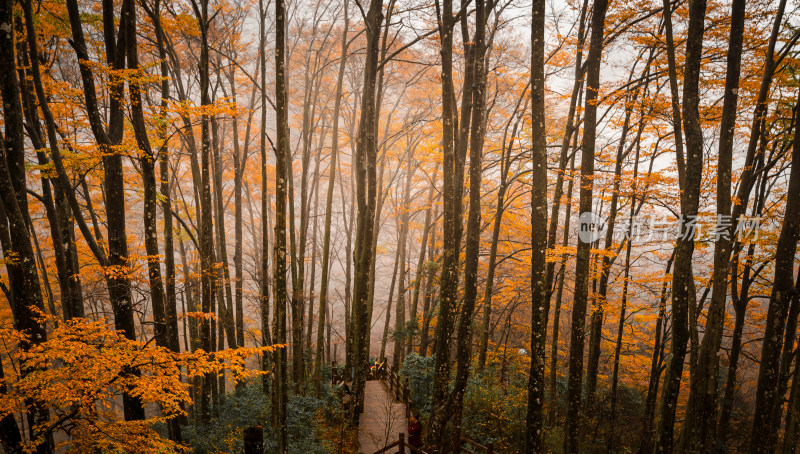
point(398, 388)
point(400, 392)
point(402, 447)
point(462, 445)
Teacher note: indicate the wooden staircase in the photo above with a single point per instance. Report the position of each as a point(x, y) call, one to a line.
point(399, 392)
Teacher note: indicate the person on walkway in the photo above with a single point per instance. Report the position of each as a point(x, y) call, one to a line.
point(415, 432)
point(376, 370)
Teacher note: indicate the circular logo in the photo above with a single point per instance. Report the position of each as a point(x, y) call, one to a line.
point(591, 227)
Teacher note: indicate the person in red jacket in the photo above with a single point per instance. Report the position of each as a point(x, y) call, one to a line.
point(415, 432)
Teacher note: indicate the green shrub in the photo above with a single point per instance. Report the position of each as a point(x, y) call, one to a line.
point(419, 371)
point(248, 407)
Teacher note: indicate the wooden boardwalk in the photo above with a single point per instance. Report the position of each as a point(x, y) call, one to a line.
point(382, 419)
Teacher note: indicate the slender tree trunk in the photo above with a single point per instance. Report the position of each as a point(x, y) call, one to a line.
point(505, 164)
point(553, 398)
point(682, 278)
point(574, 383)
point(765, 436)
point(540, 304)
point(326, 240)
point(701, 415)
point(194, 333)
point(26, 297)
point(366, 183)
point(226, 305)
point(348, 273)
point(675, 97)
point(624, 303)
point(452, 219)
point(382, 193)
point(419, 276)
point(429, 290)
point(238, 173)
point(147, 160)
point(313, 281)
point(570, 133)
point(265, 252)
point(400, 319)
point(166, 201)
point(107, 138)
point(388, 317)
point(606, 261)
point(280, 383)
point(208, 273)
point(656, 363)
point(57, 211)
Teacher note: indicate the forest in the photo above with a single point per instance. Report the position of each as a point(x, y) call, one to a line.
point(413, 226)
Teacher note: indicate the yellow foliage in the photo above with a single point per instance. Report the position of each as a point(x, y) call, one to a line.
point(83, 368)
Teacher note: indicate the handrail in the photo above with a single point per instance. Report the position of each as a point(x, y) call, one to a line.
point(488, 448)
point(387, 447)
point(400, 392)
point(402, 445)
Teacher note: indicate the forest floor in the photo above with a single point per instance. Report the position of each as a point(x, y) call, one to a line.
point(382, 419)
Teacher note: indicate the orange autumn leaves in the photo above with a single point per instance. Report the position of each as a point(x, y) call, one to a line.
point(83, 368)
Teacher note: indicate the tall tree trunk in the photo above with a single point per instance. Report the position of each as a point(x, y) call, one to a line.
point(574, 383)
point(147, 159)
point(166, 204)
point(225, 301)
point(366, 185)
point(207, 270)
point(263, 265)
point(400, 318)
point(164, 310)
point(429, 290)
point(453, 173)
point(473, 118)
point(25, 292)
point(57, 211)
point(552, 397)
point(388, 316)
point(313, 281)
point(107, 138)
point(326, 236)
point(672, 72)
point(570, 133)
point(348, 270)
point(701, 415)
point(505, 164)
point(280, 383)
point(382, 193)
point(656, 362)
point(624, 303)
point(606, 261)
point(381, 149)
point(540, 304)
point(238, 173)
point(419, 276)
point(764, 435)
point(682, 278)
